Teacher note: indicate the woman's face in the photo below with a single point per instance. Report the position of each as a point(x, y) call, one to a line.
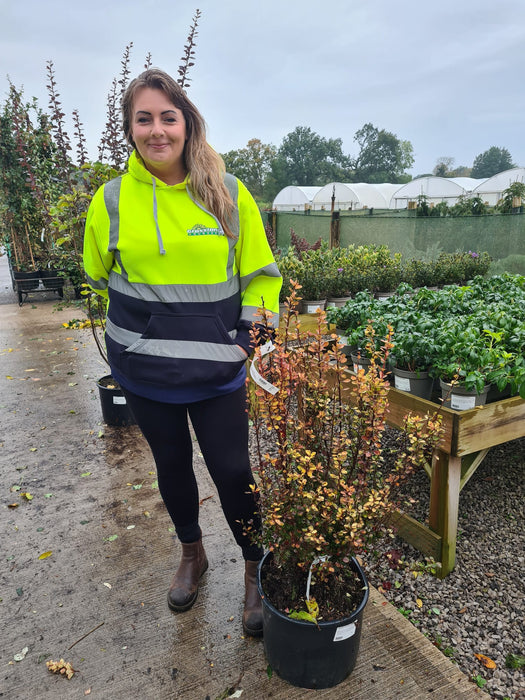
point(158, 129)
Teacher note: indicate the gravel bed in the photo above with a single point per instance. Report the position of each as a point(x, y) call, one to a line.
point(479, 607)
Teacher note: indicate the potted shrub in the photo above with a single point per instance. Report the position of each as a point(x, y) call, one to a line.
point(311, 275)
point(413, 352)
point(464, 360)
point(324, 495)
point(115, 409)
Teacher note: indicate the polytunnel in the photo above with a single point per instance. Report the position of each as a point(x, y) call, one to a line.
point(353, 195)
point(491, 189)
point(436, 189)
point(294, 198)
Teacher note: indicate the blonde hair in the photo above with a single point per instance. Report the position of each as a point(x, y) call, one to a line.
point(205, 166)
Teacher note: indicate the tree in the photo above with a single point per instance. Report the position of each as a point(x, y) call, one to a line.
point(251, 164)
point(382, 156)
point(443, 166)
point(305, 158)
point(491, 162)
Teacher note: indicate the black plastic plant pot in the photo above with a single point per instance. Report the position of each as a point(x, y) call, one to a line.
point(308, 655)
point(115, 409)
point(26, 281)
point(51, 279)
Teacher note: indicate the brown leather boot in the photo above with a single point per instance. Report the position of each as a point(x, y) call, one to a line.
point(185, 584)
point(252, 615)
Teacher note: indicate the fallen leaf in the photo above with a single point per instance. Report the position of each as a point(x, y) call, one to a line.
point(13, 505)
point(21, 655)
point(62, 667)
point(130, 527)
point(490, 574)
point(32, 449)
point(486, 661)
point(26, 495)
point(108, 585)
point(45, 555)
point(87, 691)
point(86, 474)
point(419, 602)
point(111, 538)
point(463, 610)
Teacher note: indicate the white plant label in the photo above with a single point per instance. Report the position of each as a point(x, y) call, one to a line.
point(119, 400)
point(462, 403)
point(257, 377)
point(344, 632)
point(343, 340)
point(402, 383)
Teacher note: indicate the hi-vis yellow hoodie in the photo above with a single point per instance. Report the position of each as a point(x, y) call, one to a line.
point(182, 295)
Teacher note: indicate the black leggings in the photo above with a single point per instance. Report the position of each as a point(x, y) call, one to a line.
point(221, 427)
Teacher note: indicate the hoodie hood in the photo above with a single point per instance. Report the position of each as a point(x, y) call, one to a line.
point(137, 169)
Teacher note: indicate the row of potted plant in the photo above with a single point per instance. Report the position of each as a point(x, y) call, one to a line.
point(325, 273)
point(472, 335)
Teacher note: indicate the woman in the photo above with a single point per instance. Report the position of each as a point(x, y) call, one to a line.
point(178, 248)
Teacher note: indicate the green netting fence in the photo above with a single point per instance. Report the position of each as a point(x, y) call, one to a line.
point(501, 235)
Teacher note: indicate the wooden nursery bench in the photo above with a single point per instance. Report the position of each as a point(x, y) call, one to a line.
point(467, 437)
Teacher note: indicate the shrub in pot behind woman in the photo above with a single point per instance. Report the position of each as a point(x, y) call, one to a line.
point(324, 495)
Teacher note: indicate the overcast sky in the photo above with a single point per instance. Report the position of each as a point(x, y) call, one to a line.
point(448, 76)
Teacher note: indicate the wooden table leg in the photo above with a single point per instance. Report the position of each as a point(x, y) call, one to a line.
point(444, 505)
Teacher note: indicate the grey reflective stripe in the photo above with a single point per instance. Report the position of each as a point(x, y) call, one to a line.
point(111, 200)
point(232, 185)
point(253, 315)
point(174, 292)
point(121, 335)
point(269, 271)
point(188, 350)
point(128, 338)
point(97, 284)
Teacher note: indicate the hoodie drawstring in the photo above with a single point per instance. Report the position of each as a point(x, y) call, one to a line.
point(162, 251)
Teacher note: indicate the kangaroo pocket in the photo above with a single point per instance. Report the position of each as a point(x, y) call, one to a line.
point(181, 350)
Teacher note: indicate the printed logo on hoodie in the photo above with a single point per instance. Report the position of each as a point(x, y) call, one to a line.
point(200, 230)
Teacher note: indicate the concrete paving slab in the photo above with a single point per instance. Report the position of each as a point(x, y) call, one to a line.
point(99, 599)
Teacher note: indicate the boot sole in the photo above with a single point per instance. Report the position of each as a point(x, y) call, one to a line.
point(252, 632)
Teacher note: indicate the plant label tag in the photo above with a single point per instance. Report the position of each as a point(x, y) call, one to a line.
point(261, 381)
point(267, 347)
point(257, 377)
point(343, 340)
point(462, 403)
point(344, 632)
point(119, 400)
point(402, 383)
